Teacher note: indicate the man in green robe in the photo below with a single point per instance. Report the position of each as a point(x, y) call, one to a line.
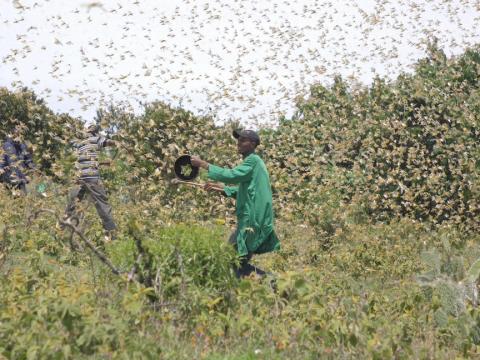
point(249, 184)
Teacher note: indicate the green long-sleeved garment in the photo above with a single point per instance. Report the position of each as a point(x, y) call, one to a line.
point(253, 193)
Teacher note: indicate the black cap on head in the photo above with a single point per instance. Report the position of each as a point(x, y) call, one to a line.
point(247, 134)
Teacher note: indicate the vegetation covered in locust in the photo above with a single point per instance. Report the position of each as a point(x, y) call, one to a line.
point(377, 198)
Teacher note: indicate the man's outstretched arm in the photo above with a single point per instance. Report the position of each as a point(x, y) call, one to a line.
point(237, 175)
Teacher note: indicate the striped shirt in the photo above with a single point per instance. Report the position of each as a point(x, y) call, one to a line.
point(87, 151)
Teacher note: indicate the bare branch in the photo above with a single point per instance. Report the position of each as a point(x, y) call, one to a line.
point(134, 270)
point(89, 244)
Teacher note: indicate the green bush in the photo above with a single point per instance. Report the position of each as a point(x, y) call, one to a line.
point(410, 147)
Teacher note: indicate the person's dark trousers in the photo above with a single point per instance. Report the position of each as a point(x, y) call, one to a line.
point(244, 268)
point(22, 187)
point(14, 179)
point(96, 191)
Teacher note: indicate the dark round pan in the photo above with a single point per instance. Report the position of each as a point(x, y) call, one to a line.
point(184, 169)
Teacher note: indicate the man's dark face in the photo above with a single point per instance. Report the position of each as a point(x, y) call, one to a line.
point(245, 145)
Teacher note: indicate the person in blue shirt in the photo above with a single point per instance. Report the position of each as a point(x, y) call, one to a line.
point(15, 161)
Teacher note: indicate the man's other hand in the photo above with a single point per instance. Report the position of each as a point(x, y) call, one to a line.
point(209, 186)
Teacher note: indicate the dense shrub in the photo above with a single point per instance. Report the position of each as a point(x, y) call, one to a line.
point(407, 148)
point(378, 291)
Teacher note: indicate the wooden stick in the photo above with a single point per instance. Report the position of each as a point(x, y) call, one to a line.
point(178, 181)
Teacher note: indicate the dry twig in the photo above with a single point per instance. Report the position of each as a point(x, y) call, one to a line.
point(87, 242)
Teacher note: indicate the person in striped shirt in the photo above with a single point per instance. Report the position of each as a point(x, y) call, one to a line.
point(88, 178)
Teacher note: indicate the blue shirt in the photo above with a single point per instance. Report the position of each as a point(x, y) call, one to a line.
point(14, 158)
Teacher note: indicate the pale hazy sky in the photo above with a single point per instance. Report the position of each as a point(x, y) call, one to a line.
point(245, 60)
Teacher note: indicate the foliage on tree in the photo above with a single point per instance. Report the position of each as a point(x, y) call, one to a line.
point(46, 133)
point(407, 148)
